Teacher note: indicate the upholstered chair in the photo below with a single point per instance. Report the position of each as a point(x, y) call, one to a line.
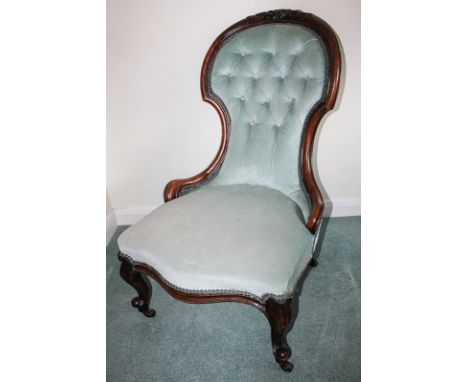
point(244, 230)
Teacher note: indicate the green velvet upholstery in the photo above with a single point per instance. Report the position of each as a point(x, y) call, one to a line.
point(269, 77)
point(244, 230)
point(244, 238)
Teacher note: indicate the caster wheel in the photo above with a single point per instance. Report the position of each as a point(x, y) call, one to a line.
point(150, 313)
point(140, 305)
point(287, 366)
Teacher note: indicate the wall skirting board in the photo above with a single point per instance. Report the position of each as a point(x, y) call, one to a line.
point(111, 226)
point(339, 208)
point(343, 207)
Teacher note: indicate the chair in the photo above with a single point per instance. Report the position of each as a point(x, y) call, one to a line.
point(244, 230)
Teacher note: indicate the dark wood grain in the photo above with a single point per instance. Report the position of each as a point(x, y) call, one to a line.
point(141, 284)
point(279, 315)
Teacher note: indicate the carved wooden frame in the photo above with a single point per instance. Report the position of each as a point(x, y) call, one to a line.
point(277, 309)
point(332, 47)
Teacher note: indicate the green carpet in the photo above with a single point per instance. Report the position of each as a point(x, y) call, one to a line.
point(231, 342)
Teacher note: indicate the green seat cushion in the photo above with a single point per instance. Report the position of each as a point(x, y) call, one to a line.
point(244, 238)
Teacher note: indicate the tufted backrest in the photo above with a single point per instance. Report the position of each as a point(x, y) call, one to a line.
point(268, 77)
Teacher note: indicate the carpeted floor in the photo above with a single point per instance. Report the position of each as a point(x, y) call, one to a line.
point(231, 342)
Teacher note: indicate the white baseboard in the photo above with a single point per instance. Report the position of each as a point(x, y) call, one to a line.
point(111, 226)
point(339, 208)
point(129, 216)
point(345, 207)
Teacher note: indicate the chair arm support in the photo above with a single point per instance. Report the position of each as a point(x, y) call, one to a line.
point(315, 217)
point(308, 175)
point(173, 188)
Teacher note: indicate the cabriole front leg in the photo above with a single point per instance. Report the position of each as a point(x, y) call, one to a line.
point(141, 284)
point(279, 314)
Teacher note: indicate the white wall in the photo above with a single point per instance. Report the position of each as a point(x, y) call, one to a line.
point(158, 126)
point(111, 221)
point(108, 204)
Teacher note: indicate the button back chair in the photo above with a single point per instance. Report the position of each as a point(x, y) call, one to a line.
point(244, 230)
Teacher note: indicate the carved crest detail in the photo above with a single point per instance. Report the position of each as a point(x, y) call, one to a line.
point(279, 14)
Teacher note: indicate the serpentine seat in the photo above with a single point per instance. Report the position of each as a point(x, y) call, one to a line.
point(245, 229)
point(242, 238)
